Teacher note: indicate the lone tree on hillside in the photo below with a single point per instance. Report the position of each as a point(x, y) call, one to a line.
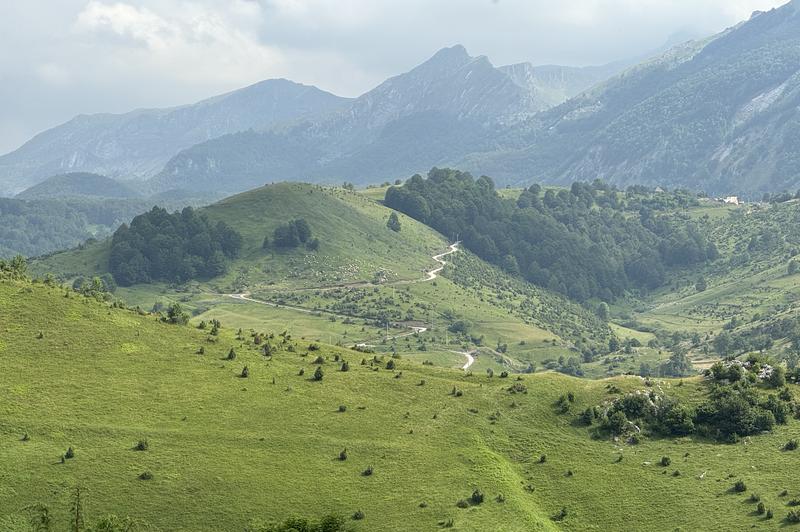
point(394, 222)
point(176, 315)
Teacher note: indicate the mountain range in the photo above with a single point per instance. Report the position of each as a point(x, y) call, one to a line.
point(136, 145)
point(721, 115)
point(718, 114)
point(278, 124)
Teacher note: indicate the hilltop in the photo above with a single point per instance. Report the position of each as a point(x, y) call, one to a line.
point(78, 185)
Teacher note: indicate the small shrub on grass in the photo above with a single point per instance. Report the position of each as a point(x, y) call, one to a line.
point(319, 360)
point(342, 408)
point(301, 372)
point(70, 453)
point(543, 459)
point(390, 364)
point(462, 503)
point(769, 515)
point(25, 437)
point(343, 455)
point(318, 374)
point(358, 516)
point(146, 475)
point(476, 497)
point(503, 374)
point(666, 461)
point(755, 497)
point(367, 472)
point(201, 351)
point(141, 445)
point(793, 516)
point(345, 366)
point(560, 516)
point(231, 354)
point(740, 486)
point(791, 445)
point(761, 509)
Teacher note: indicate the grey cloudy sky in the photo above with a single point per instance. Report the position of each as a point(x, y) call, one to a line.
point(59, 58)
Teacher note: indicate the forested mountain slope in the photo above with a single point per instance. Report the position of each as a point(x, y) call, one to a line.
point(447, 107)
point(719, 115)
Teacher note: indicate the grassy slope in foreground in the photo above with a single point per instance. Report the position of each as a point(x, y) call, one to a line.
point(225, 449)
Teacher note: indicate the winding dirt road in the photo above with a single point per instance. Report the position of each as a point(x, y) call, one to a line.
point(429, 276)
point(433, 274)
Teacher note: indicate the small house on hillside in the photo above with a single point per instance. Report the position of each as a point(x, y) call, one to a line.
point(731, 200)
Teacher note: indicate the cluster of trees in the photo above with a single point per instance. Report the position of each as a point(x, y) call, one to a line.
point(329, 523)
point(15, 268)
point(760, 337)
point(583, 242)
point(42, 226)
point(103, 284)
point(780, 197)
point(734, 407)
point(291, 235)
point(159, 246)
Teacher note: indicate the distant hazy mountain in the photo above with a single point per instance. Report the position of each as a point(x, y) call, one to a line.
point(721, 115)
point(449, 106)
point(139, 143)
point(78, 185)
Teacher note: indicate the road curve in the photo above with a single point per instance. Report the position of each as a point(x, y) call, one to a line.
point(469, 355)
point(433, 274)
point(429, 276)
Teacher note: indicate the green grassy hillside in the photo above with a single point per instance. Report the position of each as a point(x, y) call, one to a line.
point(748, 291)
point(224, 450)
point(379, 271)
point(355, 242)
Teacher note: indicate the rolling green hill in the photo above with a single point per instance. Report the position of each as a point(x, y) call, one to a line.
point(359, 256)
point(223, 451)
point(355, 242)
point(80, 185)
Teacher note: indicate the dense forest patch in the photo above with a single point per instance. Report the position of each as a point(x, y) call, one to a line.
point(158, 246)
point(591, 241)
